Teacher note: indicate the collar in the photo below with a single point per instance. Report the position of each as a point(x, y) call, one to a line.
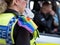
point(12, 11)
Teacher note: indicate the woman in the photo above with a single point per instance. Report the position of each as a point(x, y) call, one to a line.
point(21, 35)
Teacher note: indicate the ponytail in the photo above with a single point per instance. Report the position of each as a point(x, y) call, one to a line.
point(3, 6)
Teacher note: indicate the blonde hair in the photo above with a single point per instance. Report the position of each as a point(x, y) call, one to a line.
point(3, 6)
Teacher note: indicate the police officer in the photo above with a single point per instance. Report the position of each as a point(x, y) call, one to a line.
point(20, 35)
point(13, 25)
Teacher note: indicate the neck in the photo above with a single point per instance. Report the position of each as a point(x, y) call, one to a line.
point(15, 8)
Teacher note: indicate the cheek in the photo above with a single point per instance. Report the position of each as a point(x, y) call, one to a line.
point(22, 7)
point(23, 4)
point(48, 9)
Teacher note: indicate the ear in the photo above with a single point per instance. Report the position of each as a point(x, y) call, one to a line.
point(16, 2)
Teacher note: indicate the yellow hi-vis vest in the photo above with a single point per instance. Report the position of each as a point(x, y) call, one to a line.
point(7, 23)
point(35, 35)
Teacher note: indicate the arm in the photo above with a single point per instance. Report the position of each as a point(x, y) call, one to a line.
point(56, 22)
point(21, 35)
point(55, 17)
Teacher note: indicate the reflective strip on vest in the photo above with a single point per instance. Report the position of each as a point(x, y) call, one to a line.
point(6, 34)
point(10, 33)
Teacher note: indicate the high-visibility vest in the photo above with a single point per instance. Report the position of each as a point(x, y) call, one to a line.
point(7, 23)
point(35, 35)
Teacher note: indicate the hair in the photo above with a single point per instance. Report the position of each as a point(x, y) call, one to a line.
point(3, 6)
point(8, 2)
point(46, 4)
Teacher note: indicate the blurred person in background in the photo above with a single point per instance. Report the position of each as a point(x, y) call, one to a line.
point(46, 19)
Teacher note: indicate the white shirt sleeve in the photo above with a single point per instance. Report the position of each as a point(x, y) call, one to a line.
point(55, 17)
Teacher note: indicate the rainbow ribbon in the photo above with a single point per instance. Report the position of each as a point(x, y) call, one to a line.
point(27, 23)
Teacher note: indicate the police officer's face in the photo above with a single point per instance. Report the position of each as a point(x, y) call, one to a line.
point(21, 4)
